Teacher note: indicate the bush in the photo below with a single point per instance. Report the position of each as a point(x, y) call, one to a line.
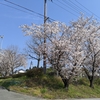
point(97, 81)
point(5, 77)
point(18, 75)
point(81, 81)
point(8, 83)
point(35, 72)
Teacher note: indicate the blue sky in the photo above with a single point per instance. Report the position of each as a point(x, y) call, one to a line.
point(11, 19)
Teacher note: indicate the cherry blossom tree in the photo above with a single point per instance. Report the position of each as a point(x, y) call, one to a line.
point(89, 30)
point(4, 68)
point(92, 61)
point(32, 50)
point(37, 33)
point(65, 47)
point(59, 52)
point(11, 60)
point(65, 52)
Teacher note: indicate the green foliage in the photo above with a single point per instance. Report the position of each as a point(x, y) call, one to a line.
point(43, 90)
point(35, 72)
point(5, 77)
point(30, 83)
point(18, 75)
point(51, 87)
point(11, 82)
point(80, 81)
point(52, 82)
point(8, 83)
point(45, 81)
point(97, 81)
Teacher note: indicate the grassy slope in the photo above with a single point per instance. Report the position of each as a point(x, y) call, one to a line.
point(51, 87)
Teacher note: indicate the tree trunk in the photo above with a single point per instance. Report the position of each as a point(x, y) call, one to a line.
point(38, 63)
point(44, 64)
point(66, 83)
point(12, 71)
point(91, 78)
point(91, 81)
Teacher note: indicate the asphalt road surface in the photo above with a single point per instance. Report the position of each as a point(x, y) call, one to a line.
point(9, 95)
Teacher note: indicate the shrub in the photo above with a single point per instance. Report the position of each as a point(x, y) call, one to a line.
point(97, 81)
point(35, 72)
point(5, 77)
point(43, 90)
point(81, 81)
point(18, 75)
point(29, 83)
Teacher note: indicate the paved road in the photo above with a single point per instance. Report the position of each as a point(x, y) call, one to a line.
point(8, 95)
point(85, 99)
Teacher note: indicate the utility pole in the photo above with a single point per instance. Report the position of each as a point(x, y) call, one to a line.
point(1, 37)
point(45, 11)
point(45, 18)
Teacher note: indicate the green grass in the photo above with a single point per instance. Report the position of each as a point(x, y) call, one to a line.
point(11, 82)
point(51, 87)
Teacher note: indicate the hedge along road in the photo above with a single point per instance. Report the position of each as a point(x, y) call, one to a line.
point(9, 95)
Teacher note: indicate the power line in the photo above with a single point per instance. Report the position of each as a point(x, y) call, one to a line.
point(27, 9)
point(87, 9)
point(67, 3)
point(64, 9)
point(68, 6)
point(76, 7)
point(17, 9)
point(24, 8)
point(72, 4)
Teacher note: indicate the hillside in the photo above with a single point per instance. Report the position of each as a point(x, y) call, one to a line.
point(51, 87)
